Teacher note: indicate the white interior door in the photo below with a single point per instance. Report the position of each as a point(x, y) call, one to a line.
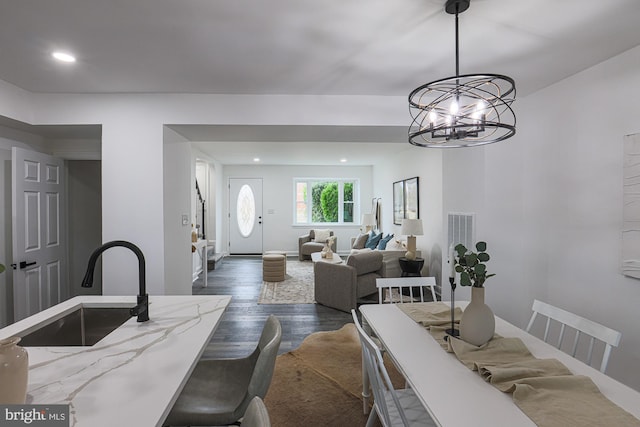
point(38, 232)
point(245, 216)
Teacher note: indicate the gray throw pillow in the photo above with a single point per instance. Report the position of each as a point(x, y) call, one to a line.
point(360, 241)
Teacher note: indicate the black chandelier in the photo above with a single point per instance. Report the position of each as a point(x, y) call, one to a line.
point(465, 110)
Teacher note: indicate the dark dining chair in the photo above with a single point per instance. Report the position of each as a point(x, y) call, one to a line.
point(220, 390)
point(256, 415)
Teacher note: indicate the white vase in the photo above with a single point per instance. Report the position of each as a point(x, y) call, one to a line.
point(14, 371)
point(478, 323)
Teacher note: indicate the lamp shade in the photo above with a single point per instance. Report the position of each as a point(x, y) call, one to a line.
point(411, 227)
point(368, 219)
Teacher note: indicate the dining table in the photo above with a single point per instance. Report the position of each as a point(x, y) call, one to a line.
point(455, 395)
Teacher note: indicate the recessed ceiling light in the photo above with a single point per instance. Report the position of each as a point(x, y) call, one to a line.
point(343, 160)
point(64, 57)
point(256, 159)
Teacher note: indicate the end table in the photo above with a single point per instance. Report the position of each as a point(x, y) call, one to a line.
point(411, 267)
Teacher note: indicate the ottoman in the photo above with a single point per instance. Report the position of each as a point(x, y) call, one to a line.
point(279, 253)
point(273, 267)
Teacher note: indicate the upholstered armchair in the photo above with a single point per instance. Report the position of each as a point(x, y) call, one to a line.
point(340, 285)
point(307, 245)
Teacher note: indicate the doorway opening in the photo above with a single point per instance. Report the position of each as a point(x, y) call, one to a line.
point(79, 148)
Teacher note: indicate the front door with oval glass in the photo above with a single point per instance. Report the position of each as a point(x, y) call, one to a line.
point(245, 216)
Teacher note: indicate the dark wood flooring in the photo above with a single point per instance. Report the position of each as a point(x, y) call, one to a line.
point(241, 325)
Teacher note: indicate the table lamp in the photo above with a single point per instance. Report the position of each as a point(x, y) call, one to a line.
point(368, 221)
point(411, 228)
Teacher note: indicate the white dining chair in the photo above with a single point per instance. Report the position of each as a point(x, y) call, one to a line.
point(580, 326)
point(366, 395)
point(392, 407)
point(388, 285)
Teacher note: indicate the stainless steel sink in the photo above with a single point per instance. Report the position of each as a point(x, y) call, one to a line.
point(82, 327)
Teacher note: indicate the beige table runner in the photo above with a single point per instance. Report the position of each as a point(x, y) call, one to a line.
point(431, 314)
point(434, 316)
point(544, 389)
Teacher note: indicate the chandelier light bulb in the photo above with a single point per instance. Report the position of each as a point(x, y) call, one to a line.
point(454, 107)
point(478, 111)
point(433, 117)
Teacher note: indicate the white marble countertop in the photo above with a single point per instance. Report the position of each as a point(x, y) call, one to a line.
point(131, 377)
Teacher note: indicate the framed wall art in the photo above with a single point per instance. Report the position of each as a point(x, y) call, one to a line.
point(411, 198)
point(406, 200)
point(398, 202)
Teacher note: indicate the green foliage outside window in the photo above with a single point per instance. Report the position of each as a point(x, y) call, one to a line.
point(348, 202)
point(329, 202)
point(316, 207)
point(325, 201)
point(348, 192)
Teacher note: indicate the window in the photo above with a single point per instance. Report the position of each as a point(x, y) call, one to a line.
point(325, 201)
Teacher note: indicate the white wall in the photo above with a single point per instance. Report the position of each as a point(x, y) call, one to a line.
point(75, 149)
point(84, 220)
point(549, 204)
point(132, 197)
point(177, 159)
point(425, 163)
point(132, 154)
point(16, 103)
point(279, 233)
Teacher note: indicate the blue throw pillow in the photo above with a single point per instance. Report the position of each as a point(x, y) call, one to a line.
point(383, 242)
point(373, 240)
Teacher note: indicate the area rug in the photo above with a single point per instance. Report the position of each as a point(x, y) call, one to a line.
point(297, 288)
point(320, 383)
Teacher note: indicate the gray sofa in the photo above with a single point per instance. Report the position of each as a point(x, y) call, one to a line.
point(340, 285)
point(389, 258)
point(306, 245)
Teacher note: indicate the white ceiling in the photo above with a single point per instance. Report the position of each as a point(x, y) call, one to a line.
point(374, 47)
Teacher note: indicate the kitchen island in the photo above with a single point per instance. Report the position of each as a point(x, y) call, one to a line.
point(133, 375)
